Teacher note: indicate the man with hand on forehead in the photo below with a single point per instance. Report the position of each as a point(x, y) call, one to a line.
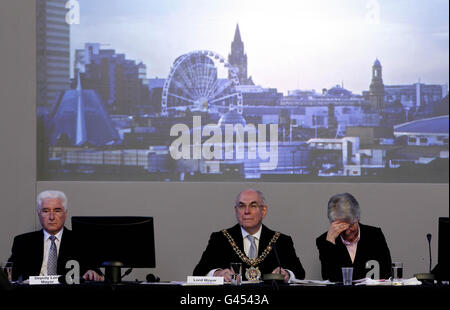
point(251, 243)
point(348, 243)
point(46, 252)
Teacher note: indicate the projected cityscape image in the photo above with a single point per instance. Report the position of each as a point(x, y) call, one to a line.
point(286, 91)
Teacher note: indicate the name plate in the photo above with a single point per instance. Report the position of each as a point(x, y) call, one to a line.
point(43, 280)
point(205, 280)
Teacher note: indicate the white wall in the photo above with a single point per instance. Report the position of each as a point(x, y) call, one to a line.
point(186, 213)
point(17, 120)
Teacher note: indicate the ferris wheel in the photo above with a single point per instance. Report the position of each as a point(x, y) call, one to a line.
point(201, 81)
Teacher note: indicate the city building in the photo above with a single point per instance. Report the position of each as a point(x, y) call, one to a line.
point(425, 132)
point(253, 95)
point(335, 157)
point(121, 82)
point(52, 51)
point(376, 89)
point(422, 148)
point(336, 95)
point(415, 97)
point(334, 108)
point(238, 59)
point(155, 88)
point(80, 119)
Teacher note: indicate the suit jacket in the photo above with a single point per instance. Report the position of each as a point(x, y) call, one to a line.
point(219, 253)
point(28, 253)
point(371, 246)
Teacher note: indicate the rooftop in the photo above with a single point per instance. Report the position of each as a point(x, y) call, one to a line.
point(434, 125)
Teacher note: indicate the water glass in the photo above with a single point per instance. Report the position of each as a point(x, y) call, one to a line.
point(7, 268)
point(347, 275)
point(397, 272)
point(236, 273)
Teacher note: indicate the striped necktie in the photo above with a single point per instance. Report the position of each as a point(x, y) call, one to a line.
point(52, 258)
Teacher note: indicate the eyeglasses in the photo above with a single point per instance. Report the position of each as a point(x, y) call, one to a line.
point(57, 212)
point(251, 206)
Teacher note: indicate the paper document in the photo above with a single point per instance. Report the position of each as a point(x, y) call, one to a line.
point(368, 281)
point(312, 282)
point(158, 283)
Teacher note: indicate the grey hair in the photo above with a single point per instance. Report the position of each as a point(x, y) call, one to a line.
point(52, 194)
point(261, 195)
point(343, 207)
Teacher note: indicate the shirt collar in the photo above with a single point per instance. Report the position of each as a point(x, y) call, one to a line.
point(257, 235)
point(58, 235)
point(354, 241)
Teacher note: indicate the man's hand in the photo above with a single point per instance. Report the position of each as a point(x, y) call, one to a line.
point(91, 275)
point(225, 273)
point(335, 230)
point(284, 273)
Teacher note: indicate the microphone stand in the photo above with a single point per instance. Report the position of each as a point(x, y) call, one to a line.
point(275, 277)
point(427, 277)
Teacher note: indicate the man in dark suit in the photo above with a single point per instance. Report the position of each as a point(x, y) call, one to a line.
point(250, 243)
point(46, 252)
point(348, 243)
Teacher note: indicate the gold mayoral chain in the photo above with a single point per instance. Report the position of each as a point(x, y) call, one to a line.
point(253, 273)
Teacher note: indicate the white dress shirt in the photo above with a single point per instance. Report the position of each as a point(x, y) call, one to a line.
point(47, 244)
point(352, 246)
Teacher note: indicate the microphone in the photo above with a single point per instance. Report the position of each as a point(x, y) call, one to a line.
point(152, 278)
point(429, 248)
point(278, 277)
point(427, 277)
point(126, 273)
point(277, 257)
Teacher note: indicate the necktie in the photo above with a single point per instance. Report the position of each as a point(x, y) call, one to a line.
point(253, 252)
point(52, 258)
